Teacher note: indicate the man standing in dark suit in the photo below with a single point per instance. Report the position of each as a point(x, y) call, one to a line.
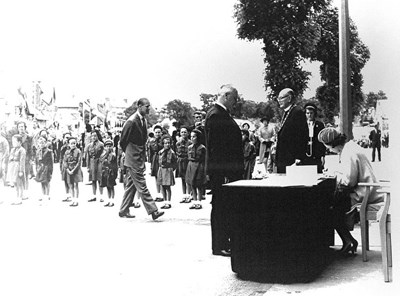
point(375, 137)
point(224, 163)
point(133, 142)
point(293, 133)
point(315, 154)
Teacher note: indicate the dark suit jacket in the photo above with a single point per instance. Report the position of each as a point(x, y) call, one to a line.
point(318, 149)
point(224, 155)
point(292, 138)
point(375, 137)
point(133, 141)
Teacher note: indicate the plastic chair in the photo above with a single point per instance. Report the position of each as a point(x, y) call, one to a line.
point(383, 217)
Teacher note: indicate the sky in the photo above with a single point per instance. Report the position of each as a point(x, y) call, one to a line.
point(159, 49)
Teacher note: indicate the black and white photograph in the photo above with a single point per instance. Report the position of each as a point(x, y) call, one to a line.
point(210, 148)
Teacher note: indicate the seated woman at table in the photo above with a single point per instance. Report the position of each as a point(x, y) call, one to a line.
point(354, 167)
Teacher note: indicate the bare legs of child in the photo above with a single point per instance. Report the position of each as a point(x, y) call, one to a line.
point(197, 197)
point(166, 192)
point(111, 194)
point(74, 189)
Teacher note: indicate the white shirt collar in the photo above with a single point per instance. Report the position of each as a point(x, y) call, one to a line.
point(288, 107)
point(140, 115)
point(218, 103)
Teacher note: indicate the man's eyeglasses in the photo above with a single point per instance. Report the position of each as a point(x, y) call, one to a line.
point(282, 98)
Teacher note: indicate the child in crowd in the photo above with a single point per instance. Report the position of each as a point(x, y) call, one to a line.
point(155, 147)
point(182, 162)
point(109, 171)
point(16, 168)
point(93, 152)
point(73, 171)
point(249, 152)
point(167, 165)
point(195, 173)
point(44, 167)
point(63, 167)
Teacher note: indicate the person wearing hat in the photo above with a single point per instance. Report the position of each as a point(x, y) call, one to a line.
point(375, 138)
point(354, 167)
point(292, 135)
point(266, 136)
point(109, 171)
point(315, 154)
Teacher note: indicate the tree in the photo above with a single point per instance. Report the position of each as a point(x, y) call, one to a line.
point(295, 31)
point(327, 52)
point(372, 98)
point(207, 101)
point(289, 33)
point(249, 109)
point(182, 112)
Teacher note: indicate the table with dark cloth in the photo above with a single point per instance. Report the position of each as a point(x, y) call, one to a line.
point(281, 230)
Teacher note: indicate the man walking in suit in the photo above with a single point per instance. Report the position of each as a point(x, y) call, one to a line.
point(224, 163)
point(133, 143)
point(375, 137)
point(293, 133)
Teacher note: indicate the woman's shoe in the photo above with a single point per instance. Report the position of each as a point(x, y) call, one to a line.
point(349, 247)
point(193, 206)
point(74, 204)
point(107, 204)
point(198, 207)
point(111, 204)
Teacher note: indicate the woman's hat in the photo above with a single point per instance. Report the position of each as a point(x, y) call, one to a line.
point(108, 142)
point(327, 135)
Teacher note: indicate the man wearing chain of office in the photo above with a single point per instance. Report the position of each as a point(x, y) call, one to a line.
point(315, 154)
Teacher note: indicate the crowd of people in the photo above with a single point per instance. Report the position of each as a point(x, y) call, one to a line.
point(212, 152)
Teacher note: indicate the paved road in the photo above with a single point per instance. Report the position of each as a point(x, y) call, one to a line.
point(52, 249)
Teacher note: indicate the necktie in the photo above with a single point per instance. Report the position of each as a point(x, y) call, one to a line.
point(144, 127)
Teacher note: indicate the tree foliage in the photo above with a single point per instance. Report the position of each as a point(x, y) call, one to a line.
point(372, 98)
point(296, 31)
point(327, 52)
point(289, 33)
point(181, 111)
point(207, 101)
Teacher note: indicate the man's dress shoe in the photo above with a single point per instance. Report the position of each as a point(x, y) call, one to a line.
point(127, 215)
point(157, 214)
point(224, 253)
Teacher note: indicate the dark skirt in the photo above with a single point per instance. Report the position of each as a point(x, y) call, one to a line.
point(182, 164)
point(74, 178)
point(95, 170)
point(195, 174)
point(108, 177)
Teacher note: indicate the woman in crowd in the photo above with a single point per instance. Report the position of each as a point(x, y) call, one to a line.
point(265, 135)
point(249, 151)
point(354, 167)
